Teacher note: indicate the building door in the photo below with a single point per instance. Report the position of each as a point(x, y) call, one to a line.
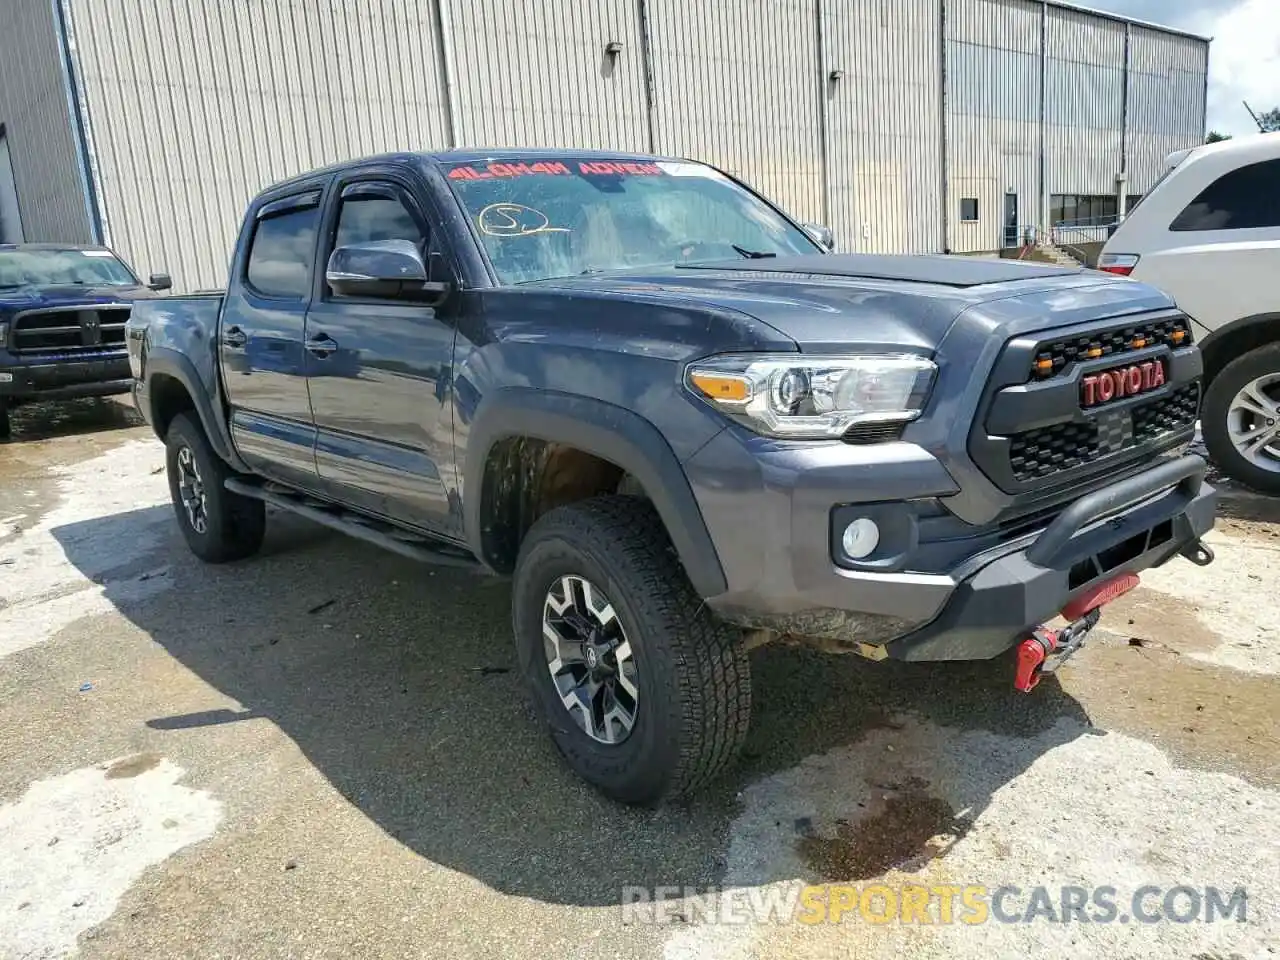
point(10, 220)
point(1010, 220)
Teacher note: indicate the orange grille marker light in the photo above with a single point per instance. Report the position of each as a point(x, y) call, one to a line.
point(1179, 335)
point(1044, 366)
point(721, 386)
point(1138, 343)
point(1093, 352)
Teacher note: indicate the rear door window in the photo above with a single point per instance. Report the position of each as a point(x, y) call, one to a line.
point(280, 256)
point(1244, 199)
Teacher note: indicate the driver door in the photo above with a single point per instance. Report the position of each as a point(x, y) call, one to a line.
point(378, 373)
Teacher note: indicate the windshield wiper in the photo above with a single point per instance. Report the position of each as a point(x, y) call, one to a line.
point(751, 254)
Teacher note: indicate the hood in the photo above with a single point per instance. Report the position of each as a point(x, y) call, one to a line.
point(68, 295)
point(825, 302)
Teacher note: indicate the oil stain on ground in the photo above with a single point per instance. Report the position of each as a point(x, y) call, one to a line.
point(904, 826)
point(133, 766)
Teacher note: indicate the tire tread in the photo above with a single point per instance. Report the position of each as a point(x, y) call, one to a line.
point(711, 664)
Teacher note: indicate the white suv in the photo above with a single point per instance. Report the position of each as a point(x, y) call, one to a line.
point(1208, 234)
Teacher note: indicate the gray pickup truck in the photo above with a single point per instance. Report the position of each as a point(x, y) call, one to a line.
point(681, 425)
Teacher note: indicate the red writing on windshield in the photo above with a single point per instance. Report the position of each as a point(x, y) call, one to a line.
point(489, 171)
point(613, 167)
point(555, 168)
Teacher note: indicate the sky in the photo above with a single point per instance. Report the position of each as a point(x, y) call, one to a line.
point(1244, 58)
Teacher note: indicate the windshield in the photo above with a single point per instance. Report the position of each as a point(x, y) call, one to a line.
point(560, 218)
point(23, 268)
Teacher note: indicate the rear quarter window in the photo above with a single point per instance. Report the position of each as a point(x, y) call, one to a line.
point(1247, 198)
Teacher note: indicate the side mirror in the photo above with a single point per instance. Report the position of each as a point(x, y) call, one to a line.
point(823, 235)
point(388, 269)
point(159, 281)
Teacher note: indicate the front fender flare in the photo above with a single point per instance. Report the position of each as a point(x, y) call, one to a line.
point(607, 431)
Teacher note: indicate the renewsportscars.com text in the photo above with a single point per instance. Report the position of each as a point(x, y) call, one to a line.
point(935, 904)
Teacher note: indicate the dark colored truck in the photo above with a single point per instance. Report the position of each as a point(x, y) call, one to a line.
point(681, 425)
point(62, 314)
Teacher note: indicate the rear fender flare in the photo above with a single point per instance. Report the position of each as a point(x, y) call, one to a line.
point(170, 363)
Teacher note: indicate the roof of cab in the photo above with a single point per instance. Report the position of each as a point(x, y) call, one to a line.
point(53, 247)
point(468, 155)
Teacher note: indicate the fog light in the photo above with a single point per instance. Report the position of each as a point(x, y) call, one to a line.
point(860, 539)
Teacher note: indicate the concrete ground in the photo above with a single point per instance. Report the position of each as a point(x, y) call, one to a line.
point(323, 752)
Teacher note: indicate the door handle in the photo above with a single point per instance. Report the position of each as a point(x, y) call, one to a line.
point(322, 345)
point(234, 337)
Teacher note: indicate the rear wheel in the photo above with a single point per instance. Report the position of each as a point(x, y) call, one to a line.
point(218, 525)
point(645, 693)
point(1241, 419)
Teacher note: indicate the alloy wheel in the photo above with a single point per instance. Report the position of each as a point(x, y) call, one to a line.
point(191, 491)
point(1253, 422)
point(590, 660)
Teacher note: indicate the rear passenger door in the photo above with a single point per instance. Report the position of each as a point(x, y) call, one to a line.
point(379, 371)
point(264, 367)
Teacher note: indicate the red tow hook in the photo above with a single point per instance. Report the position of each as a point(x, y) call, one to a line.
point(1031, 655)
point(1035, 653)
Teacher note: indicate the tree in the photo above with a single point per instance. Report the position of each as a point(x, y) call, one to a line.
point(1270, 121)
point(1216, 137)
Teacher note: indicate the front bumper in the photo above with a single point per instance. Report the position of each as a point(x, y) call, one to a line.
point(769, 507)
point(100, 375)
point(1127, 527)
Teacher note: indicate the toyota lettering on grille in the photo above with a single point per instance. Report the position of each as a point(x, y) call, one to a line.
point(1121, 382)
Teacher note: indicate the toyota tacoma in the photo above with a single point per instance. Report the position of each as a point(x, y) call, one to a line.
point(681, 425)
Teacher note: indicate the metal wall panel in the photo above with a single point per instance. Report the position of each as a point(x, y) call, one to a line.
point(196, 105)
point(36, 116)
point(1166, 100)
point(537, 74)
point(884, 124)
point(1084, 105)
point(737, 84)
point(993, 111)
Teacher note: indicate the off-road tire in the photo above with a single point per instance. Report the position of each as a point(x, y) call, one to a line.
point(694, 678)
point(235, 524)
point(1230, 380)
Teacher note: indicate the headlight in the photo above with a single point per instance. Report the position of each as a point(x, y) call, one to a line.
point(793, 395)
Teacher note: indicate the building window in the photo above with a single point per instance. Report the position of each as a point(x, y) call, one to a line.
point(969, 209)
point(280, 257)
point(1082, 210)
point(1244, 199)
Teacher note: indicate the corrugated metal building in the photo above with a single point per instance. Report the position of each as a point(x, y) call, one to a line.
point(907, 125)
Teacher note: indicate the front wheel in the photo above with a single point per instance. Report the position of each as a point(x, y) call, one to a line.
point(1241, 419)
point(218, 525)
point(645, 693)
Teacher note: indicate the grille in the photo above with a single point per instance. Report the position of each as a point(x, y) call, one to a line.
point(72, 329)
point(873, 432)
point(1038, 454)
point(1055, 358)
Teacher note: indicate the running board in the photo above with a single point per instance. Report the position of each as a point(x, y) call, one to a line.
point(356, 525)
